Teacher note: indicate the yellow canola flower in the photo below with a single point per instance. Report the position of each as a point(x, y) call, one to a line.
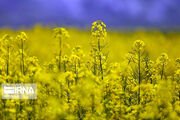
point(163, 59)
point(98, 29)
point(61, 33)
point(21, 36)
point(138, 45)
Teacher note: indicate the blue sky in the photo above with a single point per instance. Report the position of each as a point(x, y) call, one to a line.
point(81, 13)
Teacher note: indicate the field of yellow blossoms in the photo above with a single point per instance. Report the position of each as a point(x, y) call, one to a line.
point(96, 74)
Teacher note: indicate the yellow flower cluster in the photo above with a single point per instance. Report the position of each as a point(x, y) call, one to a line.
point(86, 82)
point(98, 29)
point(61, 33)
point(21, 36)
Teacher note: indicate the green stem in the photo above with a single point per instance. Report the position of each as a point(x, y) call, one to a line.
point(139, 76)
point(7, 69)
point(95, 65)
point(100, 59)
point(162, 72)
point(22, 55)
point(76, 72)
point(64, 66)
point(60, 54)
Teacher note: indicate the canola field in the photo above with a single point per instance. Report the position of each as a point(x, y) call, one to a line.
point(95, 74)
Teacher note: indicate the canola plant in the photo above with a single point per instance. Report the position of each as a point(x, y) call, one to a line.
point(89, 76)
